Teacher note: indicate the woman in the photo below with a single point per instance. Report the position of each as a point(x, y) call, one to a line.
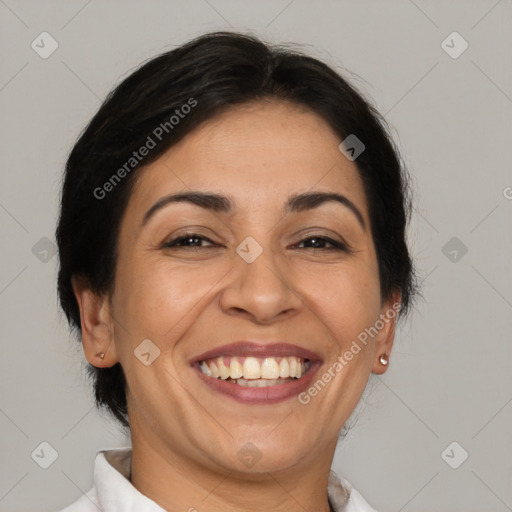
point(233, 258)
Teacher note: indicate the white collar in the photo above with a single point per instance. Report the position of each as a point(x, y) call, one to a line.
point(112, 490)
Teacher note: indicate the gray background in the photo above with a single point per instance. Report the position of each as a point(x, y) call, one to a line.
point(450, 376)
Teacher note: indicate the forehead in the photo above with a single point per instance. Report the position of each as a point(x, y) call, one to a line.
point(258, 154)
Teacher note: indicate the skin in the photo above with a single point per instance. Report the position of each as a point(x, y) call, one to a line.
point(185, 436)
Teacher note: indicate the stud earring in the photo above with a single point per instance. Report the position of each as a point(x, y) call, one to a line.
point(384, 360)
point(102, 355)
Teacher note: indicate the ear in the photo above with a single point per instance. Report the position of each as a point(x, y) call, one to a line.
point(97, 324)
point(386, 335)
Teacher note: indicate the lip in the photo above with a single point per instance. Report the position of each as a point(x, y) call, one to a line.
point(266, 395)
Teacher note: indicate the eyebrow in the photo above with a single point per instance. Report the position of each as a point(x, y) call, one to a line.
point(221, 204)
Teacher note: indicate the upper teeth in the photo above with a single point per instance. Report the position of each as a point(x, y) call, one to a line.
point(254, 368)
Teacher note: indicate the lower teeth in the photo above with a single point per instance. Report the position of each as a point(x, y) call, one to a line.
point(260, 383)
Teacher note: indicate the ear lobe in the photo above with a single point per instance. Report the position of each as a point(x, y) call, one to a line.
point(386, 336)
point(96, 324)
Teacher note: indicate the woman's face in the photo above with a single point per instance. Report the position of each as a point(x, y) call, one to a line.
point(257, 275)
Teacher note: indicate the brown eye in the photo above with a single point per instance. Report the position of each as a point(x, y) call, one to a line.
point(189, 240)
point(322, 242)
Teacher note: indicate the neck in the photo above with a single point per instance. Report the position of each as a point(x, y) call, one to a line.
point(177, 483)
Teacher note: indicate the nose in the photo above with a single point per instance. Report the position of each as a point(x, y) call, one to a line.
point(262, 290)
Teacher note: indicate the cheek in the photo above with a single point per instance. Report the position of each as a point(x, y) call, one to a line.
point(348, 299)
point(157, 299)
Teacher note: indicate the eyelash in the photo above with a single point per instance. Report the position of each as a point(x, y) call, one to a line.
point(337, 246)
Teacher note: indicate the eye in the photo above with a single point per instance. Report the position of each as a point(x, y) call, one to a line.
point(188, 240)
point(193, 240)
point(323, 242)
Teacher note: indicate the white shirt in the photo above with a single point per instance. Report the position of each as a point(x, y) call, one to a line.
point(112, 490)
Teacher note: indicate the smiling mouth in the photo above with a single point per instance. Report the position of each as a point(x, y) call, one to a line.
point(255, 371)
